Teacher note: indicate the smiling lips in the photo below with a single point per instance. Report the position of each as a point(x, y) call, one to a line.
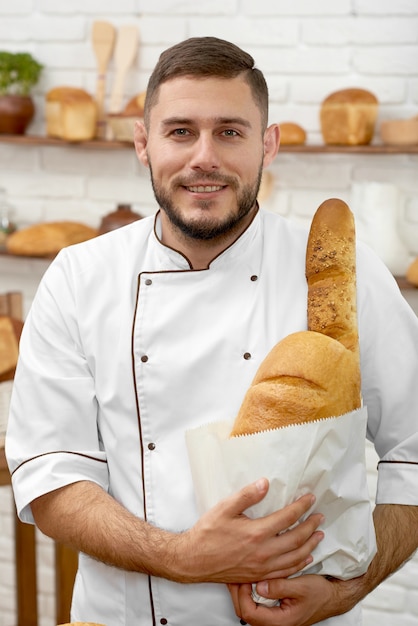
point(205, 188)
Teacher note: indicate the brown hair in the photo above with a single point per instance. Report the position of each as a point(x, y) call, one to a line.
point(206, 57)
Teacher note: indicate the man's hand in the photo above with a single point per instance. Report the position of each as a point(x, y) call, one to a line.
point(227, 546)
point(306, 600)
point(310, 599)
point(223, 546)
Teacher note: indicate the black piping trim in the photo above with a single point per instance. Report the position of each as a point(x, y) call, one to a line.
point(219, 254)
point(141, 441)
point(400, 462)
point(38, 456)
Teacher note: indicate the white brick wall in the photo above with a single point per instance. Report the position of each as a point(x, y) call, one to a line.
point(306, 49)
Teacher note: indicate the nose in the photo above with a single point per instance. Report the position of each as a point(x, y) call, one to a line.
point(205, 153)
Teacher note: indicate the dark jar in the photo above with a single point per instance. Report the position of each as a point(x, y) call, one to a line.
point(121, 217)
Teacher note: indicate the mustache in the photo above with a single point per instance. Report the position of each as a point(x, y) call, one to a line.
point(208, 177)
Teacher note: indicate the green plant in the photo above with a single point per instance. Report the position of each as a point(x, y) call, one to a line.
point(19, 72)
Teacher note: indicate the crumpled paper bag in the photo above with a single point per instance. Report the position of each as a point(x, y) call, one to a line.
point(325, 457)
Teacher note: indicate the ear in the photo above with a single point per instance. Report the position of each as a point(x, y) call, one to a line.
point(140, 139)
point(271, 144)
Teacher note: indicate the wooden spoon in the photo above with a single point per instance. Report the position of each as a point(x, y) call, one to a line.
point(125, 52)
point(103, 39)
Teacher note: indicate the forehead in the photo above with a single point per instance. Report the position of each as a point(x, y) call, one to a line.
point(206, 98)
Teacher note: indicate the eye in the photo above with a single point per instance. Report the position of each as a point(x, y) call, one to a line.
point(180, 132)
point(230, 132)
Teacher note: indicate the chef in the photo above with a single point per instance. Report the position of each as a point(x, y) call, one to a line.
point(142, 333)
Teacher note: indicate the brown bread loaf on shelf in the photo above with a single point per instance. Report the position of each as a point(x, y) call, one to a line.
point(314, 374)
point(348, 117)
point(71, 114)
point(48, 238)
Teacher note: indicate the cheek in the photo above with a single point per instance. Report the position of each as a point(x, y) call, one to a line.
point(164, 163)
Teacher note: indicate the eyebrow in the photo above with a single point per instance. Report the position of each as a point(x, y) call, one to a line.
point(221, 121)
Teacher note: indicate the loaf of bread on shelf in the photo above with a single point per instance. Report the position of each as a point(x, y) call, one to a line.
point(48, 238)
point(348, 117)
point(314, 374)
point(71, 114)
point(292, 134)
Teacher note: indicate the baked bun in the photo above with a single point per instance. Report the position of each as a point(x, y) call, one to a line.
point(348, 117)
point(292, 134)
point(47, 239)
point(135, 106)
point(71, 114)
point(314, 374)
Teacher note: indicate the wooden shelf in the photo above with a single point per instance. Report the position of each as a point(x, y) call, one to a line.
point(39, 140)
point(97, 144)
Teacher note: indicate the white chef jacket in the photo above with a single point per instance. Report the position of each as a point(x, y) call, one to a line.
point(126, 347)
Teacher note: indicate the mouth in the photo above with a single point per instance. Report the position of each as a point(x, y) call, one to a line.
point(205, 188)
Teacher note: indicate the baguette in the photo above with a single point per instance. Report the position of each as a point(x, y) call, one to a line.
point(314, 374)
point(331, 274)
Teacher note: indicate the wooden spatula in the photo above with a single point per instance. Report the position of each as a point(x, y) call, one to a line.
point(103, 39)
point(125, 53)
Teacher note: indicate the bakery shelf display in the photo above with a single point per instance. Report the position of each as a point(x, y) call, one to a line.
point(39, 140)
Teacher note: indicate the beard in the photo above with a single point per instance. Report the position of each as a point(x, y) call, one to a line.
point(206, 227)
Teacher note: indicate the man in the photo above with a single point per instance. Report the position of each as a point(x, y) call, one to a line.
point(145, 332)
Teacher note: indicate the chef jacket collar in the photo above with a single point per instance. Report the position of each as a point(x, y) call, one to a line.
point(235, 249)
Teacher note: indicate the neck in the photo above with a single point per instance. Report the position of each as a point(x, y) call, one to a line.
point(201, 252)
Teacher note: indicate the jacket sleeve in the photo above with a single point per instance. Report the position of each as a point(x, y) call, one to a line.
point(52, 438)
point(388, 329)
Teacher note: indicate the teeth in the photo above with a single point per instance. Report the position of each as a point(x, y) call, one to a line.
point(205, 189)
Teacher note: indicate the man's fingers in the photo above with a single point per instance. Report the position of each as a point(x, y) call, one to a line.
point(248, 496)
point(253, 494)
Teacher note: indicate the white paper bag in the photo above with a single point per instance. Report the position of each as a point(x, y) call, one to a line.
point(325, 457)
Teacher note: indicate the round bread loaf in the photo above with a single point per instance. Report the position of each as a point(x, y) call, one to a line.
point(135, 106)
point(292, 134)
point(348, 117)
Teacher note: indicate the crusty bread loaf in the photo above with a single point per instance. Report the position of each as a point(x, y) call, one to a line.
point(314, 374)
point(306, 376)
point(71, 114)
point(48, 238)
point(331, 273)
point(292, 134)
point(348, 117)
